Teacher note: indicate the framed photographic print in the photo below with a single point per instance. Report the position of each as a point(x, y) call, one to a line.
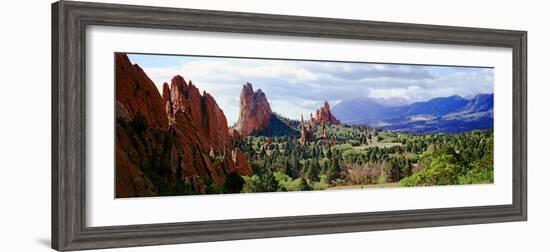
point(178, 125)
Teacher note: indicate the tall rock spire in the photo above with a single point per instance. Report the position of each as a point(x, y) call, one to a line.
point(255, 112)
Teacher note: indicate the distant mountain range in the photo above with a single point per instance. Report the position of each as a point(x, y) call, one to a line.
point(453, 114)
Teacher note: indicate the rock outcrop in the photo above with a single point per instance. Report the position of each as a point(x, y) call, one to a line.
point(323, 115)
point(137, 103)
point(179, 138)
point(138, 94)
point(203, 110)
point(255, 112)
point(306, 131)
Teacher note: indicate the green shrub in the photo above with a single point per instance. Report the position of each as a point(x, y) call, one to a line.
point(213, 188)
point(322, 184)
point(354, 142)
point(482, 172)
point(442, 171)
point(342, 147)
point(353, 155)
point(252, 184)
point(304, 185)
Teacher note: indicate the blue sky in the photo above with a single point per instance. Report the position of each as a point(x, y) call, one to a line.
point(296, 87)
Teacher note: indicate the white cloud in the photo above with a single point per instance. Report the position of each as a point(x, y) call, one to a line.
point(296, 87)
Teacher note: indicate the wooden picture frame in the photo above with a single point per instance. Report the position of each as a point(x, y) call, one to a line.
point(69, 20)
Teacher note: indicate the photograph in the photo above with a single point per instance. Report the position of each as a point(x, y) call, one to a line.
point(197, 124)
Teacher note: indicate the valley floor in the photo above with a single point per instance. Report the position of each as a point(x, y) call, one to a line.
point(358, 157)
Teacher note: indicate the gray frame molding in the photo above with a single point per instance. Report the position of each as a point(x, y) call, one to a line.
point(69, 20)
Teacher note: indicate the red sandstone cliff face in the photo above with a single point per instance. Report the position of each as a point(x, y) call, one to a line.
point(138, 93)
point(179, 137)
point(323, 115)
point(255, 112)
point(203, 110)
point(136, 97)
point(188, 107)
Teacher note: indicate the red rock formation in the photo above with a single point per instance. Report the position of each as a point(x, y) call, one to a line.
point(195, 106)
point(234, 134)
point(206, 115)
point(215, 123)
point(177, 92)
point(181, 136)
point(130, 181)
point(255, 112)
point(306, 132)
point(138, 93)
point(209, 121)
point(323, 115)
point(169, 106)
point(243, 167)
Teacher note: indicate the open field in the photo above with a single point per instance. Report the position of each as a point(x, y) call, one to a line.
point(376, 144)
